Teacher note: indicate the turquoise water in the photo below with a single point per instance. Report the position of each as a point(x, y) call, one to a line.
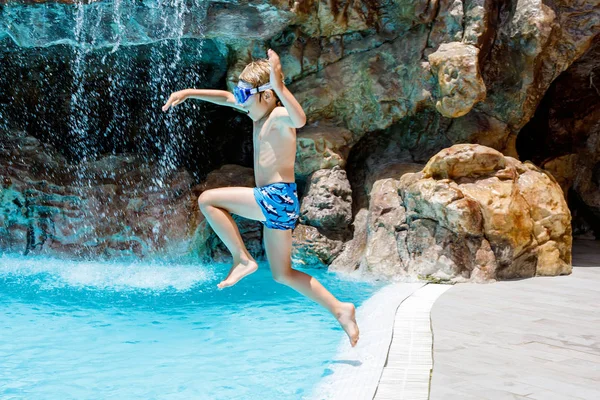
point(78, 330)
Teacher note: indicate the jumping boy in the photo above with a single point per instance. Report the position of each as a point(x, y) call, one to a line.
point(275, 113)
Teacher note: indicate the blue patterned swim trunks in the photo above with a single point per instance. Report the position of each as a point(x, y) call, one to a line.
point(279, 203)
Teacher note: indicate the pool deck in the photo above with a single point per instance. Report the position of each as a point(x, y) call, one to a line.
point(535, 338)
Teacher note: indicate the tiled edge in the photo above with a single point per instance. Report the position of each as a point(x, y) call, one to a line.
point(407, 370)
point(354, 372)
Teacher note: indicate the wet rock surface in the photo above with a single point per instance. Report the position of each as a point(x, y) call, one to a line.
point(115, 206)
point(386, 86)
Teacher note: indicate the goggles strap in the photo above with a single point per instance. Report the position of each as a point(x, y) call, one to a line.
point(262, 88)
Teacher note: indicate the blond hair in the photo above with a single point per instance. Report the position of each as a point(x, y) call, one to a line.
point(258, 73)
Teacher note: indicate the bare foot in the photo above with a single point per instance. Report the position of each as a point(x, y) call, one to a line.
point(346, 318)
point(237, 272)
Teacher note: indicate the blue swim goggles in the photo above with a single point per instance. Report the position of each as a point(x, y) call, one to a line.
point(244, 90)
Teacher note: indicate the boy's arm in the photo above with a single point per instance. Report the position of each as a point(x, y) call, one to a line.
point(220, 97)
point(295, 114)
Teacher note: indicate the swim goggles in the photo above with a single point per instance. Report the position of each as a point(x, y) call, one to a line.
point(244, 90)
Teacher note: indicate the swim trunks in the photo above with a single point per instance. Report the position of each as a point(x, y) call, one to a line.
point(279, 203)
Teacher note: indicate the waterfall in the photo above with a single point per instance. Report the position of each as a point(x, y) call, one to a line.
point(102, 38)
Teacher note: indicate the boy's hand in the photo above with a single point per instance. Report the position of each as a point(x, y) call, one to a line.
point(275, 63)
point(175, 99)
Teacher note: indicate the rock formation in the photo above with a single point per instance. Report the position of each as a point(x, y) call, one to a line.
point(387, 86)
point(111, 207)
point(471, 213)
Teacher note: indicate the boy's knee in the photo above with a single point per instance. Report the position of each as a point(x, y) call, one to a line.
point(205, 199)
point(282, 277)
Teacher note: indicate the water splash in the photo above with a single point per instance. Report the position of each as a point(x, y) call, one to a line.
point(98, 91)
point(51, 273)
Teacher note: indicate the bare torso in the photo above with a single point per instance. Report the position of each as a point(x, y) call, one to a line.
point(274, 152)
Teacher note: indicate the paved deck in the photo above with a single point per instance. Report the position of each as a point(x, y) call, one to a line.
point(528, 339)
point(534, 338)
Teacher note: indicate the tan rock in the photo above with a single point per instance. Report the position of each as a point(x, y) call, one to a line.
point(521, 207)
point(506, 214)
point(352, 256)
point(461, 161)
point(551, 260)
point(456, 66)
point(471, 214)
point(386, 214)
point(444, 202)
point(547, 205)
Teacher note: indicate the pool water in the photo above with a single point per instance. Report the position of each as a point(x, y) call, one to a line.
point(160, 330)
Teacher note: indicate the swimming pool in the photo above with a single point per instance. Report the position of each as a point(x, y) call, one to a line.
point(76, 330)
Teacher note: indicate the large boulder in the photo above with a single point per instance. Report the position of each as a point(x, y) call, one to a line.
point(325, 217)
point(327, 203)
point(471, 213)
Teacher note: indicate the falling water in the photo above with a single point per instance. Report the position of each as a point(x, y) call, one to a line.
point(103, 36)
point(91, 78)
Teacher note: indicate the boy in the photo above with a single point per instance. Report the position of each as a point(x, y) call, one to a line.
point(275, 112)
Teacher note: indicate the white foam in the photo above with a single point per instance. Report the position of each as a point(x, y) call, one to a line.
point(105, 275)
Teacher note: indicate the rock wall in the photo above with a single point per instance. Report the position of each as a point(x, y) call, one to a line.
point(111, 207)
point(563, 137)
point(481, 66)
point(386, 86)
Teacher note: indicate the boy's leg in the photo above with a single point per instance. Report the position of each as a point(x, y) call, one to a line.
point(278, 246)
point(216, 205)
